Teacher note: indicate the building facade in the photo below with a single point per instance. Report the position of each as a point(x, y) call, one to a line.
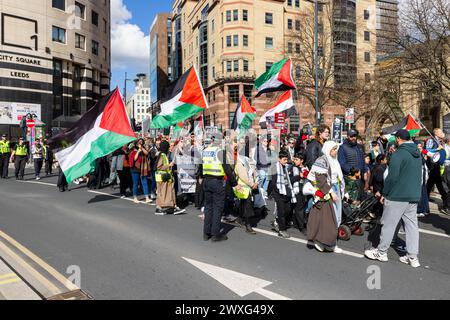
point(387, 26)
point(233, 42)
point(55, 59)
point(138, 105)
point(161, 65)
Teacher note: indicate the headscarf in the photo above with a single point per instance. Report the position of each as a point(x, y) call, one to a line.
point(164, 147)
point(336, 171)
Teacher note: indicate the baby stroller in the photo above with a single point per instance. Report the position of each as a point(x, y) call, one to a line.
point(352, 218)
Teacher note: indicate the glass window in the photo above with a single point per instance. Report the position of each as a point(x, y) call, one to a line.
point(297, 3)
point(268, 65)
point(269, 43)
point(235, 15)
point(236, 65)
point(290, 47)
point(245, 15)
point(80, 41)
point(95, 47)
point(58, 34)
point(233, 92)
point(228, 66)
point(79, 10)
point(228, 41)
point(269, 18)
point(236, 40)
point(248, 90)
point(297, 48)
point(367, 56)
point(297, 25)
point(228, 15)
point(289, 2)
point(289, 24)
point(246, 65)
point(366, 36)
point(366, 15)
point(95, 18)
point(245, 40)
point(59, 4)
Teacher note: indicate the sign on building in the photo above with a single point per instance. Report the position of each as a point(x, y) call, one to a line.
point(12, 112)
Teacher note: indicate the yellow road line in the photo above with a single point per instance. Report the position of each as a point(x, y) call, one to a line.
point(8, 275)
point(14, 280)
point(69, 285)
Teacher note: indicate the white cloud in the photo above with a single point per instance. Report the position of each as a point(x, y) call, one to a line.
point(130, 46)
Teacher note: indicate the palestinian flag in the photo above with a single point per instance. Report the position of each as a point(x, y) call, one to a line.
point(408, 123)
point(181, 100)
point(278, 78)
point(285, 104)
point(244, 116)
point(102, 130)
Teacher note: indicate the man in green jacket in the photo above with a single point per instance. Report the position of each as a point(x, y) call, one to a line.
point(401, 194)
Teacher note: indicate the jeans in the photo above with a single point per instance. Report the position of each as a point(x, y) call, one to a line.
point(263, 179)
point(38, 166)
point(338, 204)
point(4, 163)
point(136, 176)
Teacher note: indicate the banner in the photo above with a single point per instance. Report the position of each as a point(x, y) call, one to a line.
point(13, 112)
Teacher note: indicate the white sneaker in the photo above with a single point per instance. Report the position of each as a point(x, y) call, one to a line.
point(179, 211)
point(337, 250)
point(375, 254)
point(421, 215)
point(319, 246)
point(38, 178)
point(76, 181)
point(413, 262)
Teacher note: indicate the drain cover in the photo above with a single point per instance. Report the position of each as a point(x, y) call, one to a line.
point(72, 295)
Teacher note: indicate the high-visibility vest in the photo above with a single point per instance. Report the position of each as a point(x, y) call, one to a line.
point(4, 146)
point(159, 173)
point(21, 150)
point(212, 166)
point(447, 158)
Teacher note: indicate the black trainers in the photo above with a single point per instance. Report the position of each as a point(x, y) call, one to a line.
point(219, 238)
point(206, 237)
point(249, 229)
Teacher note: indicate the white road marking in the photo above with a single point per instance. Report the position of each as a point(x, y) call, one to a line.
point(118, 197)
point(37, 182)
point(434, 233)
point(241, 284)
point(271, 233)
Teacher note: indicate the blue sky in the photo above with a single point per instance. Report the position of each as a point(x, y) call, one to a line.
point(131, 20)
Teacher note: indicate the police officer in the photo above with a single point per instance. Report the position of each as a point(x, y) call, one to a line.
point(5, 154)
point(20, 155)
point(215, 168)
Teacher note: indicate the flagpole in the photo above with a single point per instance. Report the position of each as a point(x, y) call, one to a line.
point(423, 126)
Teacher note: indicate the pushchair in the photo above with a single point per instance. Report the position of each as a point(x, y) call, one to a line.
point(352, 218)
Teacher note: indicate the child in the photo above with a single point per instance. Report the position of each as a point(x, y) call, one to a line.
point(298, 174)
point(352, 186)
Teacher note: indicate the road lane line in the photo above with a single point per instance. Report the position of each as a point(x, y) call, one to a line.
point(119, 197)
point(69, 285)
point(271, 233)
point(434, 233)
point(8, 275)
point(37, 182)
point(10, 281)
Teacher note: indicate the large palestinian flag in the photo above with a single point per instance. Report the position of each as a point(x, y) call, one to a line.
point(278, 78)
point(285, 104)
point(244, 116)
point(102, 130)
point(181, 100)
point(408, 123)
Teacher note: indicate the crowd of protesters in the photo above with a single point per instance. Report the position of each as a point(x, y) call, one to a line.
point(230, 179)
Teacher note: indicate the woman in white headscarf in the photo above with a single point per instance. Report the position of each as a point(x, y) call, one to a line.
point(327, 179)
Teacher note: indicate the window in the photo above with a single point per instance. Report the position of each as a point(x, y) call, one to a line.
point(228, 15)
point(248, 91)
point(269, 18)
point(236, 40)
point(235, 15)
point(80, 41)
point(320, 51)
point(289, 47)
point(105, 26)
point(366, 15)
point(79, 10)
point(228, 66)
point(228, 41)
point(269, 43)
point(367, 56)
point(212, 25)
point(298, 72)
point(244, 15)
point(95, 18)
point(105, 54)
point(58, 34)
point(297, 3)
point(366, 36)
point(59, 4)
point(297, 25)
point(297, 48)
point(233, 92)
point(245, 40)
point(289, 24)
point(289, 3)
point(236, 65)
point(246, 65)
point(57, 89)
point(95, 47)
point(213, 49)
point(367, 77)
point(268, 65)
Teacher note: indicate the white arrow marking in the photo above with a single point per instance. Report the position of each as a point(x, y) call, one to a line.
point(239, 283)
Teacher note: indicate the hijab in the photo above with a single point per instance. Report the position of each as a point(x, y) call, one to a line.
point(164, 147)
point(336, 170)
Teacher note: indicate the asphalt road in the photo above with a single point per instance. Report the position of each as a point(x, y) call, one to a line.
point(124, 251)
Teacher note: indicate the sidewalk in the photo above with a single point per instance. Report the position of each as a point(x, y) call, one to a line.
point(12, 286)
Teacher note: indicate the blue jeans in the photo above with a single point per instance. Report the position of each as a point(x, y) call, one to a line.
point(263, 179)
point(136, 176)
point(338, 204)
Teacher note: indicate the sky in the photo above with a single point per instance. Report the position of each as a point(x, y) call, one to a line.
point(130, 44)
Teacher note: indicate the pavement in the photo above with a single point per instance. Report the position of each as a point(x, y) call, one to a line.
point(114, 249)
